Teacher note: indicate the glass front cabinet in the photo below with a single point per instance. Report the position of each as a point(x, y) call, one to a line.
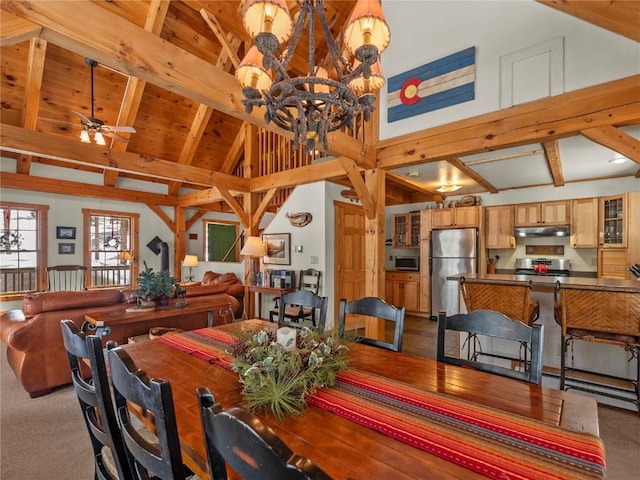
point(613, 221)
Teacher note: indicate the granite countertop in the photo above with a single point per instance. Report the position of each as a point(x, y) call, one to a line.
point(549, 281)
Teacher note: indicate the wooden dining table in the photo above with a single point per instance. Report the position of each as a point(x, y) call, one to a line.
point(341, 447)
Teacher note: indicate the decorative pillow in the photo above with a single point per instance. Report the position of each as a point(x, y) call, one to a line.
point(226, 278)
point(209, 278)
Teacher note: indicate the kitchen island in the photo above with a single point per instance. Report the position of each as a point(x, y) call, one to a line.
point(598, 357)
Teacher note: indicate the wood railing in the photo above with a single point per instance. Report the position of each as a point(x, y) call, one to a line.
point(18, 279)
point(25, 279)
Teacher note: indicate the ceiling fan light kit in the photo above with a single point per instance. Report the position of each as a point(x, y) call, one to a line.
point(311, 106)
point(95, 126)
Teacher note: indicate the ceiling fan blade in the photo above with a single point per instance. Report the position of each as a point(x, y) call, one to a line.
point(119, 138)
point(83, 117)
point(121, 128)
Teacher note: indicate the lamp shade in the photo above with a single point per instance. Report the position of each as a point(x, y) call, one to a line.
point(374, 82)
point(267, 16)
point(253, 247)
point(367, 26)
point(251, 71)
point(84, 136)
point(125, 255)
point(190, 261)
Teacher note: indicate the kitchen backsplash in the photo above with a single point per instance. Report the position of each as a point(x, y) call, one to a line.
point(582, 260)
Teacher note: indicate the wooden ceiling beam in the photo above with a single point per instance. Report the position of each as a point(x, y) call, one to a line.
point(622, 17)
point(19, 140)
point(552, 155)
point(359, 185)
point(565, 115)
point(190, 146)
point(91, 31)
point(33, 81)
point(215, 27)
point(15, 30)
point(135, 87)
point(469, 172)
point(401, 181)
point(616, 140)
point(54, 185)
point(235, 152)
point(299, 176)
point(199, 198)
point(163, 216)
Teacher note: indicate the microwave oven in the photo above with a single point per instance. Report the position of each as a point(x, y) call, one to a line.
point(408, 263)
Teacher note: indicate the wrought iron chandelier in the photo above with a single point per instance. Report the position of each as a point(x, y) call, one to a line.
point(311, 106)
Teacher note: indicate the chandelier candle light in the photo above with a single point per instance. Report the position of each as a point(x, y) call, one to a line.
point(190, 261)
point(253, 248)
point(311, 106)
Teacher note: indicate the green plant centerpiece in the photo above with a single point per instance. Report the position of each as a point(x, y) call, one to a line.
point(278, 379)
point(155, 285)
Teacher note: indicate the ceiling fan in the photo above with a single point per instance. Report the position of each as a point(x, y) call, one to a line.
point(95, 126)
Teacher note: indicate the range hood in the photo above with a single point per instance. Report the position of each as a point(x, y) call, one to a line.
point(556, 231)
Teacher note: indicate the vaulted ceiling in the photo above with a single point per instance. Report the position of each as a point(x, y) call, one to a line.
point(166, 68)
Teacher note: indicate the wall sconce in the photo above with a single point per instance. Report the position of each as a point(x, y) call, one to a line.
point(254, 249)
point(190, 261)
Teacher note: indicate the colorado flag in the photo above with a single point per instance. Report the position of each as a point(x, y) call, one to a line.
point(438, 84)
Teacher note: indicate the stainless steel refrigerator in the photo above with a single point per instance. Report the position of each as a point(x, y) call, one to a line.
point(453, 252)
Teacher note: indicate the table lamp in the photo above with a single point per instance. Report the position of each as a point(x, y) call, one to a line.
point(190, 261)
point(253, 248)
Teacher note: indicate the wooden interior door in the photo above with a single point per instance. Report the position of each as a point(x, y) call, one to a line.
point(349, 257)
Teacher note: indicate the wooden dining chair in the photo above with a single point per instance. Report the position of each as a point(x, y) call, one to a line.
point(303, 301)
point(308, 279)
point(152, 442)
point(110, 457)
point(252, 449)
point(66, 278)
point(601, 314)
point(374, 307)
point(496, 325)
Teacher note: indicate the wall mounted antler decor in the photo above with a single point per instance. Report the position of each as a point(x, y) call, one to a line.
point(299, 219)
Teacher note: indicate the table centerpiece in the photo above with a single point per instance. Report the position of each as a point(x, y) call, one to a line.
point(278, 370)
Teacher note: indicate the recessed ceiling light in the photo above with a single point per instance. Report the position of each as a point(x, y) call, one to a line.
point(448, 188)
point(618, 160)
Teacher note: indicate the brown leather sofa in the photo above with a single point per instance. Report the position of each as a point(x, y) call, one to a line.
point(33, 336)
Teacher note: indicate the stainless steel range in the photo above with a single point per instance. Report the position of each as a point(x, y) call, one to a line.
point(554, 267)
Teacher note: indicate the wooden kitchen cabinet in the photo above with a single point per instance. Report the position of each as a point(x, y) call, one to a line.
point(457, 217)
point(584, 223)
point(406, 230)
point(612, 221)
point(612, 263)
point(403, 289)
point(499, 227)
point(542, 213)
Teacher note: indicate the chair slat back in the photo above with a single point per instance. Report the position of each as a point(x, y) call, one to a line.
point(67, 278)
point(251, 447)
point(309, 279)
point(511, 298)
point(154, 450)
point(374, 307)
point(493, 324)
point(95, 401)
point(303, 298)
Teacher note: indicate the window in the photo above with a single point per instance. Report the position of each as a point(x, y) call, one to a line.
point(221, 241)
point(23, 258)
point(111, 247)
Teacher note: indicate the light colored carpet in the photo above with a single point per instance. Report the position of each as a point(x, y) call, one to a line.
point(46, 437)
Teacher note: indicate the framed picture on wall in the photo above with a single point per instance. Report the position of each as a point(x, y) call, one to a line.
point(66, 233)
point(278, 247)
point(66, 248)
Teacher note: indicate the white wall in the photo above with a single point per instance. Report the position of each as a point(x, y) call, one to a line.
point(423, 31)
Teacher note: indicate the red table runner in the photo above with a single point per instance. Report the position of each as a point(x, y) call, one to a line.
point(488, 441)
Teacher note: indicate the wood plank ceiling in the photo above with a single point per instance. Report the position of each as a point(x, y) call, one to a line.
point(165, 72)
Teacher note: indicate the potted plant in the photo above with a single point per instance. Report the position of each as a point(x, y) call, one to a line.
point(155, 285)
